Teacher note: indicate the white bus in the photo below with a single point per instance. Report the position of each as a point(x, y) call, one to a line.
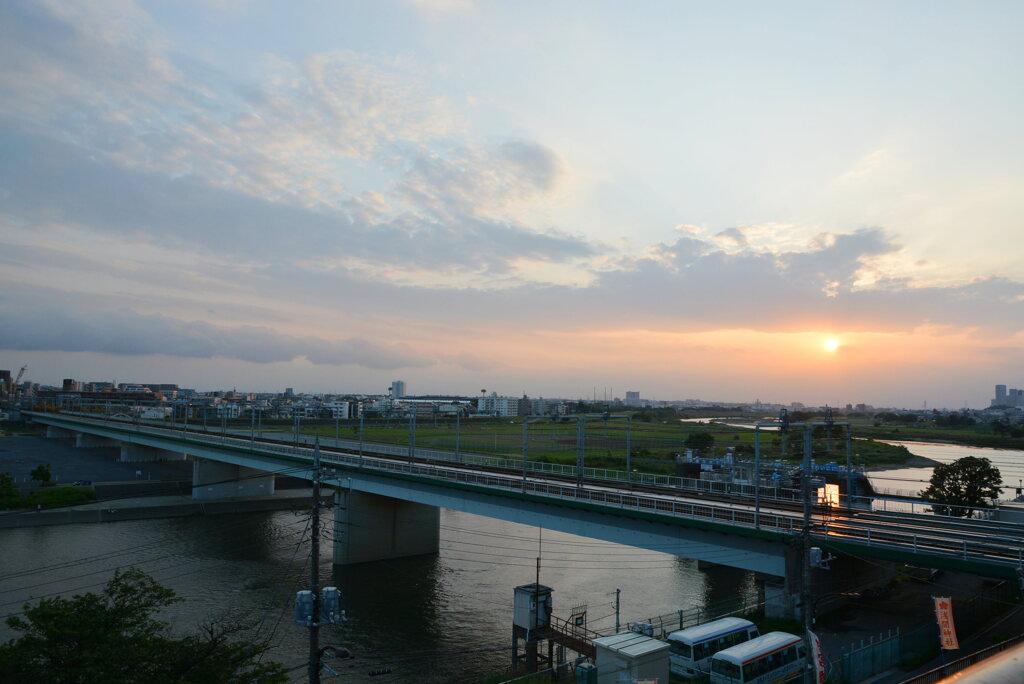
point(691, 648)
point(774, 657)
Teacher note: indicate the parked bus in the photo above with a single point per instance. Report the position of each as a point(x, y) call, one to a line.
point(774, 657)
point(691, 648)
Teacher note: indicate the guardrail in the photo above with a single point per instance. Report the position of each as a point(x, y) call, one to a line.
point(940, 673)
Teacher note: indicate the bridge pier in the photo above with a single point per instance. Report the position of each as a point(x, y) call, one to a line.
point(371, 527)
point(216, 480)
point(132, 453)
point(85, 440)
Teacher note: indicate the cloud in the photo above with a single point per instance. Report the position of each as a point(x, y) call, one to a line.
point(42, 180)
point(105, 76)
point(475, 181)
point(127, 333)
point(102, 132)
point(731, 238)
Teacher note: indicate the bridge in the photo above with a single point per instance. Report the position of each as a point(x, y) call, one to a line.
point(388, 500)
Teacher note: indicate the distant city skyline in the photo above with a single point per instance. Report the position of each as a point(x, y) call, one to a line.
point(631, 398)
point(801, 202)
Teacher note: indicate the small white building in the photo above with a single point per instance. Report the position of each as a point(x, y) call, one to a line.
point(628, 657)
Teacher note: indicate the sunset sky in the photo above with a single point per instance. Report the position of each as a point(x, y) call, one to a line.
point(790, 201)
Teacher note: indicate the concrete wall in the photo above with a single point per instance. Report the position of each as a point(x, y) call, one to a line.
point(217, 480)
point(369, 527)
point(137, 453)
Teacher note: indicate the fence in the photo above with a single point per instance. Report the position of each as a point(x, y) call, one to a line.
point(875, 656)
point(868, 659)
point(663, 625)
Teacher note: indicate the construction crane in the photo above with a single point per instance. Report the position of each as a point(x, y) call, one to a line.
point(14, 387)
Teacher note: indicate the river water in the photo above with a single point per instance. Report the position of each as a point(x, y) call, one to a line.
point(429, 619)
point(444, 618)
point(910, 481)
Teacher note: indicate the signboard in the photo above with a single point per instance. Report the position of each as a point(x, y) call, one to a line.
point(817, 657)
point(944, 616)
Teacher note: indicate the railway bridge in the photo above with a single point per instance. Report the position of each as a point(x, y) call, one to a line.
point(387, 505)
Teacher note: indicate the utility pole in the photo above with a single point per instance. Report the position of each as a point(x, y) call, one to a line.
point(805, 579)
point(314, 608)
point(314, 628)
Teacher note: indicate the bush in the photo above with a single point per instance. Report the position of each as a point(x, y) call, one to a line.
point(59, 497)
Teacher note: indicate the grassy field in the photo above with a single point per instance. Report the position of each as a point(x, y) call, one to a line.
point(975, 435)
point(654, 444)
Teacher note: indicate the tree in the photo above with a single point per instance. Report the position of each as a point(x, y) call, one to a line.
point(41, 473)
point(962, 486)
point(699, 440)
point(115, 638)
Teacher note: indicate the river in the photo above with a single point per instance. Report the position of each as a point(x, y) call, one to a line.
point(910, 481)
point(444, 618)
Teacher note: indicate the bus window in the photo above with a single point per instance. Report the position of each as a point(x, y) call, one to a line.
point(727, 669)
point(682, 650)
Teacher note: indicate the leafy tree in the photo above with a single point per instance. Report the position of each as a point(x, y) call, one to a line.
point(968, 483)
point(954, 420)
point(115, 638)
point(41, 473)
point(699, 440)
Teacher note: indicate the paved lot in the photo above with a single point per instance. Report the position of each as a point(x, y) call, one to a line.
point(19, 455)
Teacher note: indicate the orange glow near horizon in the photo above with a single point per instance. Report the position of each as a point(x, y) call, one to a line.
point(832, 344)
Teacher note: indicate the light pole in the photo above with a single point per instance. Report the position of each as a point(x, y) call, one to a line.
point(458, 431)
point(412, 436)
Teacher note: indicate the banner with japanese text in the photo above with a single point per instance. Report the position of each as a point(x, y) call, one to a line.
point(944, 616)
point(817, 657)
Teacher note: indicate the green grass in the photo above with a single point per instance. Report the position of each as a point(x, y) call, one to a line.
point(654, 444)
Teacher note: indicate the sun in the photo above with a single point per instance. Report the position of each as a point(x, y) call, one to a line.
point(831, 344)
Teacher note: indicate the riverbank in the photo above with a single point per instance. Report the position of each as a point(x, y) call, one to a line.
point(941, 436)
point(153, 507)
point(912, 462)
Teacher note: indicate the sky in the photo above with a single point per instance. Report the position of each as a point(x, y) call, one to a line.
point(785, 201)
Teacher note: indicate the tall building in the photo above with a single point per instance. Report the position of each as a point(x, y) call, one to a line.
point(1008, 397)
point(398, 389)
point(6, 382)
point(632, 398)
